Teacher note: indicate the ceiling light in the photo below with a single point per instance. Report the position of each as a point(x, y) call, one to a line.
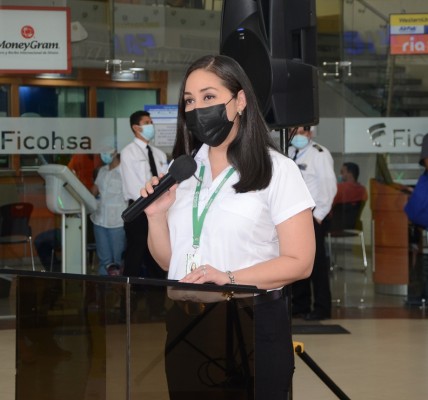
point(117, 66)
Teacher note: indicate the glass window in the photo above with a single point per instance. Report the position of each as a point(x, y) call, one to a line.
point(121, 103)
point(4, 112)
point(4, 100)
point(50, 102)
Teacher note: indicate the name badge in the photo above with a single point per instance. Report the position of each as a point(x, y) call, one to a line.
point(193, 261)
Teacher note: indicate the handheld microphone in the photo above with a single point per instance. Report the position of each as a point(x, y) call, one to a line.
point(181, 169)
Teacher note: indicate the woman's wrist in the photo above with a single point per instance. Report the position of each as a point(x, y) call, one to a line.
point(157, 217)
point(231, 277)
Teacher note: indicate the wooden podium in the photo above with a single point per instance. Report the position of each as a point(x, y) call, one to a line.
point(390, 238)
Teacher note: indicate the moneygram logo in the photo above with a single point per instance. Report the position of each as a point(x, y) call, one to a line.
point(27, 31)
point(376, 131)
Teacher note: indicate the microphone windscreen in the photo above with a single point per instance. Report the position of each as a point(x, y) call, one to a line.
point(182, 168)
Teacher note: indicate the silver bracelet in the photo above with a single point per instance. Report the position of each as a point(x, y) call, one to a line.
point(231, 277)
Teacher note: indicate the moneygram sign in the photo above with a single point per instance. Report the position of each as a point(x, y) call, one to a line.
point(35, 40)
point(408, 34)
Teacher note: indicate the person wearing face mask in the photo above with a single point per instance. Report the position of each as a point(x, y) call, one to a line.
point(108, 224)
point(244, 218)
point(316, 165)
point(140, 160)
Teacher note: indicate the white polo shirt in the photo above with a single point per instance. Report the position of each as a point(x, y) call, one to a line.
point(135, 167)
point(316, 165)
point(239, 228)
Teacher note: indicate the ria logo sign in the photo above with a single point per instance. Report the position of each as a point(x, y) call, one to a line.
point(375, 132)
point(414, 46)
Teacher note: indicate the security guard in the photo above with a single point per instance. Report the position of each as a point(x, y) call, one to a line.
point(316, 164)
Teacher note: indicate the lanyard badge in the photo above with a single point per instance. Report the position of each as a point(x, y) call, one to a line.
point(193, 260)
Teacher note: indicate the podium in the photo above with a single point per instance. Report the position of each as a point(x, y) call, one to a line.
point(390, 240)
point(91, 337)
point(67, 196)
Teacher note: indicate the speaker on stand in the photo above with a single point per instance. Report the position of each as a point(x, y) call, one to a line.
point(275, 43)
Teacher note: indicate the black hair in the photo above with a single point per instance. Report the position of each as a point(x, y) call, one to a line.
point(353, 169)
point(135, 117)
point(249, 151)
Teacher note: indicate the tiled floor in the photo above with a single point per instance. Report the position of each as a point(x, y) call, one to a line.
point(383, 357)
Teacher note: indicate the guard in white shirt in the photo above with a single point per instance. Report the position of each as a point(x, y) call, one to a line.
point(316, 165)
point(139, 162)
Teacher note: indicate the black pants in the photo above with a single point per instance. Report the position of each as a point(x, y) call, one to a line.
point(274, 355)
point(138, 262)
point(319, 279)
point(186, 368)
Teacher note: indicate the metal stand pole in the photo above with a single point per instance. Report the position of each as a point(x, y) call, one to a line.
point(298, 349)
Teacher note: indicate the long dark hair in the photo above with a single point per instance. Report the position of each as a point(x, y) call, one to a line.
point(249, 151)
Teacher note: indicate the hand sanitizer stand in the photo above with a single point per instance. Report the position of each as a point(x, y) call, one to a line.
point(67, 196)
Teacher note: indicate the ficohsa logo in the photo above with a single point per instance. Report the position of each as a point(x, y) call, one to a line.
point(27, 32)
point(376, 131)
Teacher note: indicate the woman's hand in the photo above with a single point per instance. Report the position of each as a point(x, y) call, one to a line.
point(164, 202)
point(206, 273)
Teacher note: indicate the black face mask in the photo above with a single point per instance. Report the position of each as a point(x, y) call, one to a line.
point(210, 124)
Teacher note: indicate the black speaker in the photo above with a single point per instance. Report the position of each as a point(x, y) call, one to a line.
point(275, 43)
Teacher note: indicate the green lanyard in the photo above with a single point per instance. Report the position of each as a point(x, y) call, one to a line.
point(199, 222)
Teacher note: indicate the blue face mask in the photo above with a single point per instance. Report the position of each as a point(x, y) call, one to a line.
point(299, 141)
point(148, 132)
point(339, 179)
point(106, 158)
